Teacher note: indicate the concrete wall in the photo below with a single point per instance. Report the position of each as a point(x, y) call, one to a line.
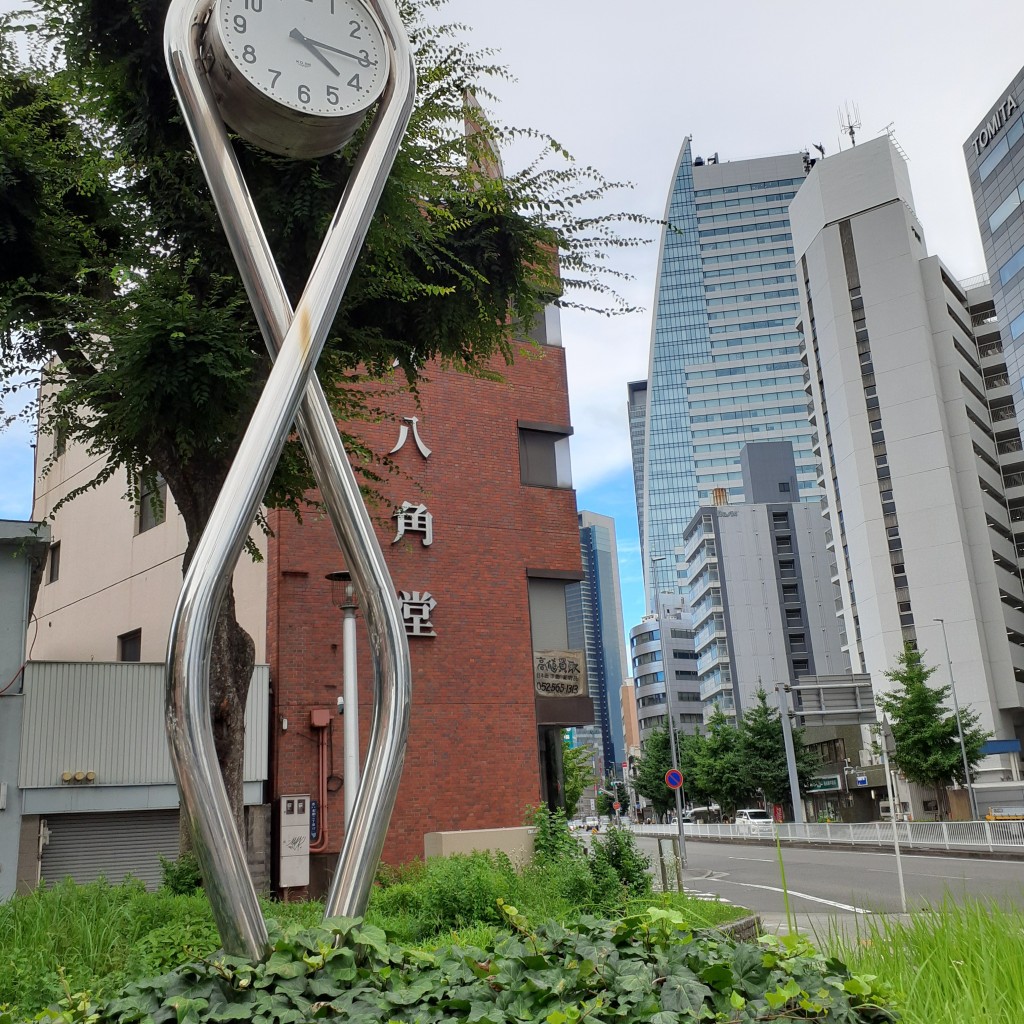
point(516, 842)
point(22, 549)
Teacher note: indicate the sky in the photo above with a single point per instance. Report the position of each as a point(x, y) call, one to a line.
point(620, 89)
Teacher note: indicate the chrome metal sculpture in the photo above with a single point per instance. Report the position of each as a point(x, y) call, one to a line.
point(292, 396)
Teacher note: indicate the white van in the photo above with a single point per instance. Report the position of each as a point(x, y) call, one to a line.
point(755, 821)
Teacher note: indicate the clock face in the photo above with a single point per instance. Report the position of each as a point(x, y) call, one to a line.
point(319, 57)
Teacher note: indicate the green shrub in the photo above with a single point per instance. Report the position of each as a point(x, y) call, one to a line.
point(644, 968)
point(464, 889)
point(182, 876)
point(617, 851)
point(553, 840)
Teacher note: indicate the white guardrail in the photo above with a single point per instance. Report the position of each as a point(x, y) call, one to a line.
point(926, 835)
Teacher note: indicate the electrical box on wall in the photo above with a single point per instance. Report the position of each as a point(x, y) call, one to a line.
point(293, 851)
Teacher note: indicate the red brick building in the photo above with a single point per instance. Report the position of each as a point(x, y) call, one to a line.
point(503, 544)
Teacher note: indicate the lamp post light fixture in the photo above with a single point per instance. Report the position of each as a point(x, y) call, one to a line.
point(959, 726)
point(343, 596)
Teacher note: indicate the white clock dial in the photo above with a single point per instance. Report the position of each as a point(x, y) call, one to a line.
point(324, 58)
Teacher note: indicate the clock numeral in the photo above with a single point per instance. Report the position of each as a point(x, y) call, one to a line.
point(240, 25)
point(356, 28)
point(249, 54)
point(276, 74)
point(332, 6)
point(364, 58)
point(254, 5)
point(353, 82)
point(332, 94)
point(303, 93)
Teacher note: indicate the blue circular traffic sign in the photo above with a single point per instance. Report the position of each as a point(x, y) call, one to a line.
point(674, 778)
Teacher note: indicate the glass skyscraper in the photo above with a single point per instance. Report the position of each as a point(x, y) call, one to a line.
point(594, 614)
point(725, 363)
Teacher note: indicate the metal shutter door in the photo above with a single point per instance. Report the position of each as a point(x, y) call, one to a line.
point(89, 846)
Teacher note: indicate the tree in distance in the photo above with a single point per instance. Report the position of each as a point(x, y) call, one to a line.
point(606, 802)
point(726, 765)
point(762, 752)
point(117, 280)
point(577, 775)
point(649, 777)
point(925, 732)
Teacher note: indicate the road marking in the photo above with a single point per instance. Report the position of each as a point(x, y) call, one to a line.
point(803, 895)
point(883, 871)
point(760, 860)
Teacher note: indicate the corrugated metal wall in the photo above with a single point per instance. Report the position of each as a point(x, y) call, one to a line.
point(90, 846)
point(108, 718)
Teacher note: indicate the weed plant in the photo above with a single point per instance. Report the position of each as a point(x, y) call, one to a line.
point(958, 963)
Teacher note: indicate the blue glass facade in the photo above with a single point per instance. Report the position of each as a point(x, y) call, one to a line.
point(725, 355)
point(594, 619)
point(995, 165)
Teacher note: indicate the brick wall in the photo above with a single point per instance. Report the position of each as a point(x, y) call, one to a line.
point(473, 748)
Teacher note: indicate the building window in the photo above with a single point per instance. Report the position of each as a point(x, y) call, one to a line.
point(544, 457)
point(152, 504)
point(129, 646)
point(784, 487)
point(53, 573)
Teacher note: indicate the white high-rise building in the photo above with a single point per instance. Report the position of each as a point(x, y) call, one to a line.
point(911, 417)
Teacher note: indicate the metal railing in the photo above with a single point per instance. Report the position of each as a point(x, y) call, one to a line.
point(925, 835)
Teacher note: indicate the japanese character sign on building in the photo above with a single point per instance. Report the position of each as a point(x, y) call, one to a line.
point(417, 607)
point(403, 436)
point(414, 519)
point(560, 673)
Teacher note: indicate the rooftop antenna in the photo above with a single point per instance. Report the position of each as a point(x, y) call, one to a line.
point(849, 122)
point(890, 130)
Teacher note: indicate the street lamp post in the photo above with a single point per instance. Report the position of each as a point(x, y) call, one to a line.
point(343, 596)
point(959, 727)
point(669, 714)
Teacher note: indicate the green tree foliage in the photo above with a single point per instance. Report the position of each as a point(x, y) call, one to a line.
point(719, 771)
point(577, 775)
point(611, 793)
point(925, 730)
point(117, 278)
point(762, 752)
point(649, 779)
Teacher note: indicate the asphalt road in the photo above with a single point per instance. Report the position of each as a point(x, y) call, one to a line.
point(838, 881)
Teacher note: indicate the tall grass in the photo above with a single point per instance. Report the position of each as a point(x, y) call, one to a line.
point(957, 963)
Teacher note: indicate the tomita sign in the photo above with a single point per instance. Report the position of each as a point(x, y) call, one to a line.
point(995, 124)
point(560, 673)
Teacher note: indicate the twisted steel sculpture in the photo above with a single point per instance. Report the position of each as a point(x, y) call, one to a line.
point(292, 394)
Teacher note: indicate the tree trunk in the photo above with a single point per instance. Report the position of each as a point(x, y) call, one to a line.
point(234, 653)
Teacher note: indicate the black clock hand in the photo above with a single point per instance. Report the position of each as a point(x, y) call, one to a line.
point(363, 61)
point(311, 45)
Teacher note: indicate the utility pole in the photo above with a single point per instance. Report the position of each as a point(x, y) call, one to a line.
point(968, 782)
point(787, 738)
point(888, 747)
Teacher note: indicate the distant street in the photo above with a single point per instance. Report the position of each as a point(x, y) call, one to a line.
point(841, 881)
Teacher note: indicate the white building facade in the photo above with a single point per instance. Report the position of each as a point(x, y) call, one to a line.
point(907, 413)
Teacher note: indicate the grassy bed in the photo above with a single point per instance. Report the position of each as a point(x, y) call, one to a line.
point(97, 938)
point(955, 964)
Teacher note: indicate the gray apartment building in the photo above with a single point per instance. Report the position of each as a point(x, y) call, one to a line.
point(759, 586)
